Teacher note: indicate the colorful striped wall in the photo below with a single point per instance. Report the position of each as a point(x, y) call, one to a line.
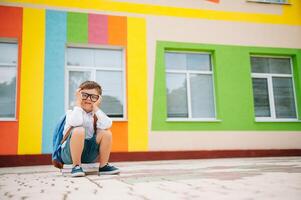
point(290, 14)
point(80, 28)
point(42, 74)
point(43, 29)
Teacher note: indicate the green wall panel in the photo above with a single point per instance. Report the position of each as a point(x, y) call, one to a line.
point(77, 27)
point(233, 88)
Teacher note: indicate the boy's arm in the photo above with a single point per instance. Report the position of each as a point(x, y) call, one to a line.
point(75, 117)
point(103, 121)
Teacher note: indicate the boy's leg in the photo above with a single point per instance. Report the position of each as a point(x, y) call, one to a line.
point(104, 138)
point(77, 142)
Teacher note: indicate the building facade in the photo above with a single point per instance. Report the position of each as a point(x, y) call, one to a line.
point(177, 75)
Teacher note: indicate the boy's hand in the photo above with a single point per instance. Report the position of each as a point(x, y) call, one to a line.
point(96, 104)
point(78, 97)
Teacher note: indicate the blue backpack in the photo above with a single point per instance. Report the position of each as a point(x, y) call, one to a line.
point(57, 143)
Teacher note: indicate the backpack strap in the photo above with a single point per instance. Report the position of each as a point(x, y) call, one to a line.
point(94, 123)
point(69, 130)
point(66, 135)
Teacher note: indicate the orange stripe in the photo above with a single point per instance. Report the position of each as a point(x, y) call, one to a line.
point(117, 30)
point(214, 1)
point(120, 136)
point(117, 35)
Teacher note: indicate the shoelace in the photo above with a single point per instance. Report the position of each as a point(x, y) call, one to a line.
point(107, 165)
point(77, 167)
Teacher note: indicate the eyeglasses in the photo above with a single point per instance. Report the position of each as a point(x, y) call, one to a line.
point(93, 97)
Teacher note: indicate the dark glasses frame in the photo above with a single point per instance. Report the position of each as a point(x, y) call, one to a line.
point(93, 97)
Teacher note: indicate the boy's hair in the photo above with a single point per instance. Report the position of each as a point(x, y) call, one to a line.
point(91, 85)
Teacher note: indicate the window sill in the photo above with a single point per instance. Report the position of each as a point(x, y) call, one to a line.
point(119, 119)
point(277, 120)
point(8, 120)
point(192, 120)
point(266, 2)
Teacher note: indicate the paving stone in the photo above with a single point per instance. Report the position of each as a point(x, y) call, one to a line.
point(239, 178)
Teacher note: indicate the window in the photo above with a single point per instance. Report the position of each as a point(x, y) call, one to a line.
point(273, 88)
point(189, 84)
point(271, 1)
point(106, 67)
point(8, 74)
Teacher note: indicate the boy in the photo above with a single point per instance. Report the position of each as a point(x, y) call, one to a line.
point(85, 141)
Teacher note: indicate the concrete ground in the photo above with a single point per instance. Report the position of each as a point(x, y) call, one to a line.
point(233, 179)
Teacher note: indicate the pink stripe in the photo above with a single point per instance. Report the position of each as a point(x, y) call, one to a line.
point(98, 29)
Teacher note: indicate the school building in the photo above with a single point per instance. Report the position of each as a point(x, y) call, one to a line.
point(178, 76)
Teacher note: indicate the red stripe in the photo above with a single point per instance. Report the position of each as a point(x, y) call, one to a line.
point(45, 159)
point(11, 27)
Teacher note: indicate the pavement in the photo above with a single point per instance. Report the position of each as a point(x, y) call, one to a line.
point(231, 179)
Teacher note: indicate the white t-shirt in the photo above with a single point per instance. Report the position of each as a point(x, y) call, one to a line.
point(79, 117)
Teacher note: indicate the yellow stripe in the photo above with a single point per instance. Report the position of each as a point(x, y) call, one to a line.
point(291, 14)
point(32, 79)
point(137, 85)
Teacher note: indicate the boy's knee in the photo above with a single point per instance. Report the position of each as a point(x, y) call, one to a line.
point(108, 133)
point(104, 133)
point(78, 131)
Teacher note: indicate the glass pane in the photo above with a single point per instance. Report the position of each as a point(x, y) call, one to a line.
point(175, 61)
point(271, 65)
point(112, 96)
point(260, 65)
point(198, 62)
point(80, 57)
point(284, 98)
point(261, 97)
point(280, 66)
point(75, 79)
point(176, 95)
point(108, 58)
point(7, 91)
point(202, 100)
point(8, 53)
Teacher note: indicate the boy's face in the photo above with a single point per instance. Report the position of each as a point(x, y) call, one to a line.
point(88, 97)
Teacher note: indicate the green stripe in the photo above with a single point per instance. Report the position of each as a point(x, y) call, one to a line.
point(77, 27)
point(233, 88)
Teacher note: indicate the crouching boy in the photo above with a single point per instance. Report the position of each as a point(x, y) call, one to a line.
point(87, 131)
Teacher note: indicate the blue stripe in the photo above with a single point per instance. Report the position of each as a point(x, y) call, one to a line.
point(54, 91)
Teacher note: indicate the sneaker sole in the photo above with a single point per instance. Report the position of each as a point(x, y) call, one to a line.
point(109, 173)
point(78, 174)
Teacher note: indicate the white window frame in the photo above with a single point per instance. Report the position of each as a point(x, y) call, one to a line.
point(92, 70)
point(188, 95)
point(268, 77)
point(12, 41)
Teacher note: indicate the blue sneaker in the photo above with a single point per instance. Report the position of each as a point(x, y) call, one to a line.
point(108, 170)
point(77, 171)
